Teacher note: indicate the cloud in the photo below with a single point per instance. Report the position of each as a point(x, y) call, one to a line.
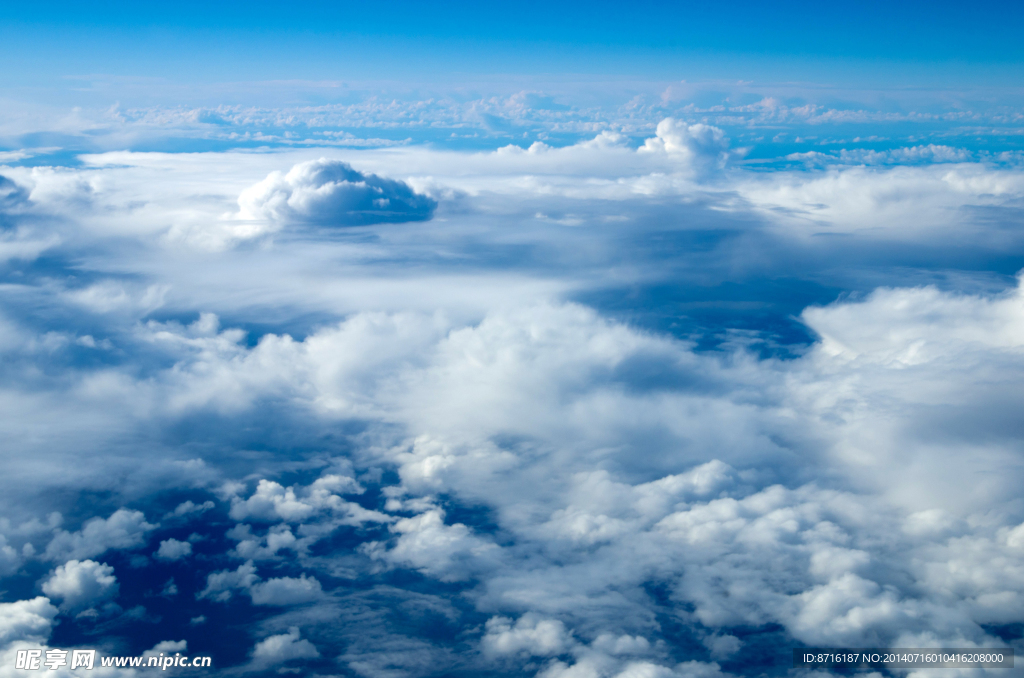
point(283, 647)
point(172, 549)
point(81, 584)
point(12, 196)
point(9, 560)
point(26, 620)
point(704, 148)
point(607, 417)
point(449, 552)
point(189, 508)
point(529, 635)
point(331, 193)
point(273, 502)
point(221, 585)
point(931, 153)
point(286, 591)
point(124, 529)
point(278, 591)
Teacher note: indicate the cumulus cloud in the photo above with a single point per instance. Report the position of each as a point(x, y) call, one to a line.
point(704, 148)
point(26, 620)
point(81, 584)
point(273, 502)
point(286, 591)
point(283, 647)
point(124, 529)
point(425, 542)
point(278, 591)
point(530, 635)
point(221, 585)
point(331, 193)
point(172, 549)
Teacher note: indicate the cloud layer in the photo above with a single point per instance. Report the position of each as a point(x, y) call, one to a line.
point(610, 409)
point(331, 193)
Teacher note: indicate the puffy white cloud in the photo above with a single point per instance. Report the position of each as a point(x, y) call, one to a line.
point(283, 647)
point(331, 193)
point(172, 549)
point(268, 545)
point(286, 591)
point(704, 148)
point(124, 529)
point(26, 620)
point(529, 635)
point(221, 585)
point(81, 584)
point(449, 552)
point(272, 502)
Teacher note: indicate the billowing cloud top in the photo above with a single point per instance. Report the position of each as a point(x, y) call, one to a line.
point(331, 193)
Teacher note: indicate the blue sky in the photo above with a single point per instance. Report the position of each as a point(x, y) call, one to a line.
point(544, 340)
point(905, 44)
point(911, 32)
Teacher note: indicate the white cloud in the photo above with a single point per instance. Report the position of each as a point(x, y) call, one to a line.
point(529, 635)
point(269, 545)
point(172, 549)
point(124, 529)
point(273, 502)
point(189, 508)
point(278, 591)
point(449, 552)
point(286, 591)
point(736, 549)
point(283, 647)
point(704, 148)
point(81, 584)
point(331, 193)
point(26, 620)
point(221, 585)
point(910, 155)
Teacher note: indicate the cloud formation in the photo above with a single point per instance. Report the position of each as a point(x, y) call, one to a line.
point(81, 584)
point(330, 193)
point(283, 647)
point(703, 147)
point(624, 408)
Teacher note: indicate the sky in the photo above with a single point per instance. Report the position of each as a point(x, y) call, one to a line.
point(537, 340)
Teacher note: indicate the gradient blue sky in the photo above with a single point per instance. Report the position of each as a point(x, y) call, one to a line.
point(316, 40)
